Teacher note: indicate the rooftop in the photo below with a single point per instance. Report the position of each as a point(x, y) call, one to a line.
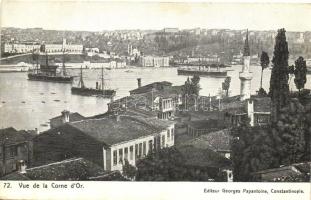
point(203, 157)
point(294, 172)
point(10, 136)
point(72, 117)
point(211, 124)
point(71, 170)
point(112, 130)
point(149, 87)
point(216, 141)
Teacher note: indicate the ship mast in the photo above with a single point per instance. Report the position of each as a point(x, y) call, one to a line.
point(37, 60)
point(64, 68)
point(102, 79)
point(81, 83)
point(46, 59)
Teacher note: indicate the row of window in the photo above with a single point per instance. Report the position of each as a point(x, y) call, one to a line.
point(167, 104)
point(127, 153)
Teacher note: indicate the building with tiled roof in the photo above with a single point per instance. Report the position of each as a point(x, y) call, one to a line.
point(159, 98)
point(106, 141)
point(297, 172)
point(206, 160)
point(15, 146)
point(203, 157)
point(74, 169)
point(201, 127)
point(256, 108)
point(65, 117)
point(218, 141)
point(152, 86)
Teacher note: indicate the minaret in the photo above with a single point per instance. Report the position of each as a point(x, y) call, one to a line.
point(246, 76)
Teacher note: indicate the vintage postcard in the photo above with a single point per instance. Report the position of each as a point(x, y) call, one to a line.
point(155, 100)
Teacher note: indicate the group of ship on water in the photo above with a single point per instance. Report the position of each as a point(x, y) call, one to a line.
point(56, 73)
point(49, 72)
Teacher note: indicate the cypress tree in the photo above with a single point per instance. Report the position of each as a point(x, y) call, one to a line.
point(279, 89)
point(264, 62)
point(300, 73)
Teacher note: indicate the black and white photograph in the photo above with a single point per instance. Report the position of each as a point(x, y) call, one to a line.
point(145, 91)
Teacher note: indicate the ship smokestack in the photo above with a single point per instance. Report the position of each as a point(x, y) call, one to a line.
point(139, 82)
point(65, 116)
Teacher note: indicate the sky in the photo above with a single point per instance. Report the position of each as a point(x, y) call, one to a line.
point(101, 15)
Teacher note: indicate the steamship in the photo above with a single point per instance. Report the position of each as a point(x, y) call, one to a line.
point(49, 72)
point(99, 91)
point(214, 70)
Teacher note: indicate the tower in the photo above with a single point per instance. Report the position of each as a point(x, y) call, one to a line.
point(246, 76)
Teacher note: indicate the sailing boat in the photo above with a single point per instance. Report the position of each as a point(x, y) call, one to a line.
point(98, 91)
point(48, 72)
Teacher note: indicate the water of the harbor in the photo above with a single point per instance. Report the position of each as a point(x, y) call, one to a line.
point(28, 104)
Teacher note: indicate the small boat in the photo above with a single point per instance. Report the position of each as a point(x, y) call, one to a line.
point(23, 102)
point(45, 125)
point(56, 100)
point(53, 93)
point(42, 101)
point(98, 91)
point(3, 102)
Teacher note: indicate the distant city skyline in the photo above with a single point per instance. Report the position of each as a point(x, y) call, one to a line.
point(99, 16)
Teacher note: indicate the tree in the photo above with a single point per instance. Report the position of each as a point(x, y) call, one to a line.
point(186, 88)
point(195, 85)
point(252, 150)
point(129, 171)
point(279, 89)
point(264, 62)
point(300, 73)
point(191, 88)
point(168, 164)
point(226, 85)
point(164, 165)
point(293, 129)
point(262, 93)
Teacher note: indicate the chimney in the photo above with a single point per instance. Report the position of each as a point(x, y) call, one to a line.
point(21, 166)
point(139, 82)
point(65, 116)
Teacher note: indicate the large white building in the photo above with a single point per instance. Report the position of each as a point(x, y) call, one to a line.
point(20, 48)
point(70, 48)
point(154, 61)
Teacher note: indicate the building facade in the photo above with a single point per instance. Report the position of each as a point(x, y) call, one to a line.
point(29, 47)
point(154, 61)
point(20, 47)
point(15, 147)
point(106, 141)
